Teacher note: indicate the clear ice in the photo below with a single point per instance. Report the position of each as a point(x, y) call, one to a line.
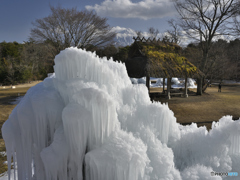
point(87, 121)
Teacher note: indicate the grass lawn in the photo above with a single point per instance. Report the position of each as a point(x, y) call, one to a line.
point(211, 106)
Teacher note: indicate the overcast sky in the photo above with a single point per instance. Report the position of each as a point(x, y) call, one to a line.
point(16, 16)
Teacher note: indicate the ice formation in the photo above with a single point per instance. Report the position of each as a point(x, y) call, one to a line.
point(87, 121)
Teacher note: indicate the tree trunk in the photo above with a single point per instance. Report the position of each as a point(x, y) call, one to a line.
point(199, 86)
point(163, 85)
point(202, 68)
point(168, 88)
point(185, 90)
point(148, 82)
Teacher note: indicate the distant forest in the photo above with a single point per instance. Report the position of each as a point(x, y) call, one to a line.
point(21, 63)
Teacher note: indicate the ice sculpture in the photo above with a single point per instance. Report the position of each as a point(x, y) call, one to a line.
point(87, 121)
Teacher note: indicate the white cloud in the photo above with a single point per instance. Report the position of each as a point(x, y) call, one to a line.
point(145, 9)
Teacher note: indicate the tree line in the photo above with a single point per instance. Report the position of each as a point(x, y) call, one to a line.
point(202, 21)
point(30, 61)
point(20, 63)
point(223, 59)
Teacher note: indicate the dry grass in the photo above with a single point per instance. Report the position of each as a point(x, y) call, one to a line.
point(211, 106)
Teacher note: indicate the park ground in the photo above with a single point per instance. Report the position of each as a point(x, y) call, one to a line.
point(203, 110)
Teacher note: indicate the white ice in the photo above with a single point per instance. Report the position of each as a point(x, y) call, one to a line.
point(87, 121)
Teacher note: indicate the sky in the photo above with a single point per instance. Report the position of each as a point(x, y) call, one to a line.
point(16, 16)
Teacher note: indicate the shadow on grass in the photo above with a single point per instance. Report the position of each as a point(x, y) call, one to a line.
point(8, 100)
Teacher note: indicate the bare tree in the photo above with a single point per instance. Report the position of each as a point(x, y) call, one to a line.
point(68, 27)
point(203, 20)
point(236, 25)
point(218, 66)
point(153, 33)
point(175, 32)
point(139, 34)
point(234, 56)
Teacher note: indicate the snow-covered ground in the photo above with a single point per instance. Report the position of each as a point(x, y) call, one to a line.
point(89, 114)
point(176, 82)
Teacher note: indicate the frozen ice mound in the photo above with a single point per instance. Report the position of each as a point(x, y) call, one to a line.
point(87, 121)
point(217, 149)
point(122, 157)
